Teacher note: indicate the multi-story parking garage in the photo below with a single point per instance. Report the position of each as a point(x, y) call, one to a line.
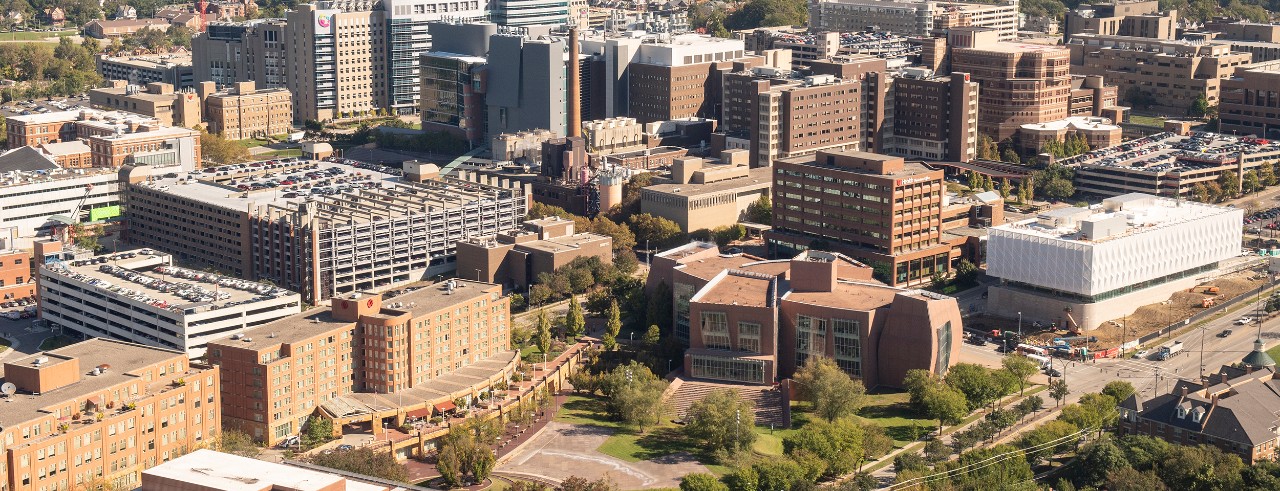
point(318, 228)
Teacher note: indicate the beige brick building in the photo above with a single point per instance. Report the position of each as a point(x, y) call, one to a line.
point(156, 99)
point(245, 111)
point(102, 409)
point(1173, 74)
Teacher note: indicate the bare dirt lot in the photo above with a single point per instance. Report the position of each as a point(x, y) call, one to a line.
point(1148, 318)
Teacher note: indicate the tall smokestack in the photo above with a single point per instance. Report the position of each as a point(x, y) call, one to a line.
point(575, 86)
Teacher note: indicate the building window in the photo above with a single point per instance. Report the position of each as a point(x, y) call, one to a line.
point(848, 346)
point(749, 337)
point(737, 370)
point(944, 348)
point(811, 338)
point(715, 330)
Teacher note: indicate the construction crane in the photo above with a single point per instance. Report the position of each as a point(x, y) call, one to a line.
point(202, 6)
point(70, 220)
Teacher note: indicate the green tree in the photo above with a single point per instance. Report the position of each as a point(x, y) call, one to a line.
point(220, 151)
point(1098, 460)
point(238, 443)
point(936, 451)
point(1230, 184)
point(318, 430)
point(832, 392)
point(85, 237)
point(544, 332)
point(612, 326)
point(701, 482)
point(1130, 479)
point(976, 382)
point(654, 230)
point(1118, 390)
point(1021, 367)
point(945, 404)
point(837, 445)
point(363, 460)
point(1058, 189)
point(722, 421)
point(634, 394)
point(1061, 432)
point(652, 337)
point(1058, 390)
point(1251, 182)
point(574, 323)
point(660, 305)
point(1200, 193)
point(1267, 173)
point(761, 210)
point(1199, 107)
point(1010, 155)
point(767, 13)
point(778, 474)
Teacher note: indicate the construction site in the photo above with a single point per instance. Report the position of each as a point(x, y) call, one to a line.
point(1107, 337)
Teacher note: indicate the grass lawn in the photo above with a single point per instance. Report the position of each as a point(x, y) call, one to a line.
point(5, 344)
point(626, 443)
point(288, 152)
point(33, 36)
point(1274, 352)
point(1146, 121)
point(890, 410)
point(55, 342)
point(251, 142)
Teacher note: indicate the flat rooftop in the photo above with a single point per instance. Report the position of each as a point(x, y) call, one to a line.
point(1150, 213)
point(148, 277)
point(1165, 152)
point(341, 192)
point(852, 295)
point(563, 243)
point(152, 61)
point(306, 325)
point(758, 178)
point(1015, 47)
point(123, 357)
point(78, 115)
point(737, 287)
point(228, 472)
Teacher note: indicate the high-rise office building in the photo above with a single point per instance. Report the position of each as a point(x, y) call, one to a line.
point(230, 52)
point(1018, 83)
point(934, 117)
point(530, 12)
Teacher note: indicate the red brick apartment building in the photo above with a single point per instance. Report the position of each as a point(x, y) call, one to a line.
point(15, 275)
point(102, 409)
point(321, 362)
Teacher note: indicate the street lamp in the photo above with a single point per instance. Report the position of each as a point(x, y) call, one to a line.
point(1019, 325)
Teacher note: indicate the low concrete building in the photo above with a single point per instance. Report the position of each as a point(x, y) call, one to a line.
point(172, 69)
point(209, 470)
point(706, 194)
point(141, 297)
point(516, 259)
point(1080, 267)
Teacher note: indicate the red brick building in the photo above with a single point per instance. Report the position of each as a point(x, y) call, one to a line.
point(758, 322)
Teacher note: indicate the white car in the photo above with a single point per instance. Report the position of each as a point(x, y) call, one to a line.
point(1243, 320)
point(1143, 354)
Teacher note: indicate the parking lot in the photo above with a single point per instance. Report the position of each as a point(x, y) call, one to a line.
point(41, 106)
